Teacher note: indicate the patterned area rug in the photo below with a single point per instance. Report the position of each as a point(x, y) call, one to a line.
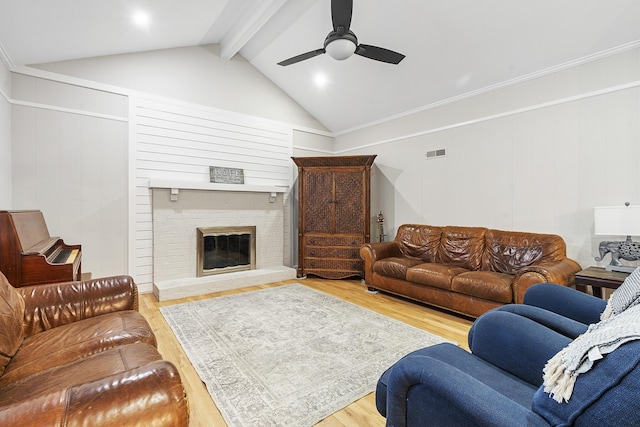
point(288, 356)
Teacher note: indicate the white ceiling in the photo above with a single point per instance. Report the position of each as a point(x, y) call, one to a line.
point(453, 47)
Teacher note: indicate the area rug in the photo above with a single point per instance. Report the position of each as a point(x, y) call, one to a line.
point(290, 355)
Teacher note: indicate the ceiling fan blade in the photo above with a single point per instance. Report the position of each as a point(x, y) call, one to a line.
point(341, 11)
point(379, 54)
point(301, 57)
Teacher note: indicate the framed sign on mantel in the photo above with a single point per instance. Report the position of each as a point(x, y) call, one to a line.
point(222, 175)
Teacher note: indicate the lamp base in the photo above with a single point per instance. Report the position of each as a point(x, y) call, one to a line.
point(627, 250)
point(620, 268)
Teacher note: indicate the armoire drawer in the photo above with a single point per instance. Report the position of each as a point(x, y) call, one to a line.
point(332, 252)
point(338, 240)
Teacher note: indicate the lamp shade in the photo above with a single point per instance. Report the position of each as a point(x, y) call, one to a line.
point(617, 220)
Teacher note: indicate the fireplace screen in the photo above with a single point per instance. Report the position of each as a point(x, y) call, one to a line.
point(225, 249)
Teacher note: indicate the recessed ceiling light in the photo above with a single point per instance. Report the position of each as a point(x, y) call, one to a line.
point(320, 80)
point(141, 18)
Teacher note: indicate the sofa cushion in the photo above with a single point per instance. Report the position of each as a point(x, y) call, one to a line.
point(487, 285)
point(395, 266)
point(436, 275)
point(607, 394)
point(74, 341)
point(60, 378)
point(418, 241)
point(462, 247)
point(508, 251)
point(11, 317)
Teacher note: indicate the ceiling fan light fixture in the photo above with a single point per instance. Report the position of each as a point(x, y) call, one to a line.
point(342, 43)
point(341, 49)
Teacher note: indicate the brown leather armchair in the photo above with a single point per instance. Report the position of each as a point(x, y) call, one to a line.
point(79, 353)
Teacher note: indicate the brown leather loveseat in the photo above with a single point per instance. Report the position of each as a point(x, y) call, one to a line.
point(469, 270)
point(79, 353)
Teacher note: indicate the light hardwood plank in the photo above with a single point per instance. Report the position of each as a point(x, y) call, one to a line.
point(360, 413)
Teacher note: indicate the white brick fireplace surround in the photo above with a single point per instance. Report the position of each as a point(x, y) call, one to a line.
point(174, 237)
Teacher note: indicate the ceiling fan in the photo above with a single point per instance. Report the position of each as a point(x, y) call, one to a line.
point(341, 43)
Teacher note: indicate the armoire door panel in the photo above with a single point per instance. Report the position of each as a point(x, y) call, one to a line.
point(349, 203)
point(318, 206)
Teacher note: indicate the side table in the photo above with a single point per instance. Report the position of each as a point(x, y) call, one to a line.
point(598, 278)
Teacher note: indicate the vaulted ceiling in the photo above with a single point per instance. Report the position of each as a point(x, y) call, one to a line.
point(453, 47)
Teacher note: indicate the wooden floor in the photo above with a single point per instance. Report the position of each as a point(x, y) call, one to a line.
point(359, 413)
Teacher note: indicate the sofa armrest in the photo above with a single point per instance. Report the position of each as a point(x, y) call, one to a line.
point(374, 251)
point(454, 398)
point(148, 395)
point(516, 344)
point(151, 395)
point(566, 302)
point(561, 272)
point(56, 304)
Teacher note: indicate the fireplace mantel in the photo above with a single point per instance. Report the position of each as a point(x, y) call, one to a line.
point(209, 186)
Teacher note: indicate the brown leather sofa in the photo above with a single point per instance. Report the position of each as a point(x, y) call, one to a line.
point(79, 353)
point(469, 270)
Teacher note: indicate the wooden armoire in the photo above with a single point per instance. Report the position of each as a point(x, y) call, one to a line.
point(333, 214)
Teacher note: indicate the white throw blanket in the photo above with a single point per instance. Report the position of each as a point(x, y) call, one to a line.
point(620, 323)
point(626, 296)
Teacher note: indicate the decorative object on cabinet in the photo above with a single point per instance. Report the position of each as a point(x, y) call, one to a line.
point(618, 221)
point(333, 214)
point(381, 227)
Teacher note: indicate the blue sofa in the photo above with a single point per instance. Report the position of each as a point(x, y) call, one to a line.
point(499, 382)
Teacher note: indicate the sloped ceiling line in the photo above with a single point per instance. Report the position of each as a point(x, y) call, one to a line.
point(259, 13)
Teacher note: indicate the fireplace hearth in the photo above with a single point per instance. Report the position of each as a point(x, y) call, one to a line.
point(225, 249)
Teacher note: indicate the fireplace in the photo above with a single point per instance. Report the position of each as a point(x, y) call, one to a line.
point(225, 249)
point(174, 267)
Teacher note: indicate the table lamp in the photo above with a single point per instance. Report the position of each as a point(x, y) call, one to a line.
point(618, 221)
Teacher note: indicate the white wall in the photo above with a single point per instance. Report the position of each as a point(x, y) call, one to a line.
point(69, 151)
point(75, 99)
point(535, 156)
point(193, 74)
point(5, 137)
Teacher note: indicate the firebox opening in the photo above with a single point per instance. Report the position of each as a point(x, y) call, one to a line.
point(225, 249)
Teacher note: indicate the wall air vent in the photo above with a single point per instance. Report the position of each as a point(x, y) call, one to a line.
point(435, 153)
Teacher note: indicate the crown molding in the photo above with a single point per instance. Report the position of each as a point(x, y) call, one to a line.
point(553, 103)
point(507, 83)
point(6, 59)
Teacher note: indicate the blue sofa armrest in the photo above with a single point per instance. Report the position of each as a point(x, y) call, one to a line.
point(554, 321)
point(426, 391)
point(565, 301)
point(514, 343)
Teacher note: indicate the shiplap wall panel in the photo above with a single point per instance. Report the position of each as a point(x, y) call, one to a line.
point(179, 142)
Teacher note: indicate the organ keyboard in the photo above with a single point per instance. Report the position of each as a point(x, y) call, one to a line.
point(30, 256)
